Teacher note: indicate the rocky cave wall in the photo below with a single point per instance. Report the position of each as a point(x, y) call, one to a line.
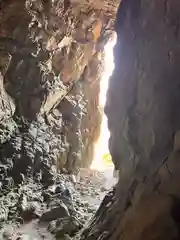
point(51, 60)
point(144, 122)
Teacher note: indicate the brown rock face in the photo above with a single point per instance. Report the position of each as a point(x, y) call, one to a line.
point(50, 70)
point(144, 122)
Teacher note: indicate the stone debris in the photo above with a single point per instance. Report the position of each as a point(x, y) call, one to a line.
point(68, 225)
point(55, 213)
point(64, 207)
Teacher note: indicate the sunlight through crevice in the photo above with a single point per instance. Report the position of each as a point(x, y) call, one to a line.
point(102, 156)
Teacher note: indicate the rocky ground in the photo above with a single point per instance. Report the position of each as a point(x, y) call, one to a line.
point(33, 211)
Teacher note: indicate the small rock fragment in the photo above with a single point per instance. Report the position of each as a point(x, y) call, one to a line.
point(68, 225)
point(7, 235)
point(59, 188)
point(55, 213)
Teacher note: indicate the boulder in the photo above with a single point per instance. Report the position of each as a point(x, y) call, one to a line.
point(55, 213)
point(60, 227)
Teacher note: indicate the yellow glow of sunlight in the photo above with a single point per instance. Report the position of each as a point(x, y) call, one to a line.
point(101, 146)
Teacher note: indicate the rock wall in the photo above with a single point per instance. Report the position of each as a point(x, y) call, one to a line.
point(50, 62)
point(144, 122)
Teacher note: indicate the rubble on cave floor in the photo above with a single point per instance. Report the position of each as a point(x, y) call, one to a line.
point(59, 211)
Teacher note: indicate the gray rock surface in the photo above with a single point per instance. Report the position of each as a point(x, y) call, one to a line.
point(62, 226)
point(55, 213)
point(24, 209)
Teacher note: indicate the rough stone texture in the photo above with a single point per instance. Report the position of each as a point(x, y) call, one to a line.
point(55, 213)
point(62, 226)
point(144, 122)
point(51, 56)
point(28, 209)
point(92, 116)
point(6, 103)
point(48, 53)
